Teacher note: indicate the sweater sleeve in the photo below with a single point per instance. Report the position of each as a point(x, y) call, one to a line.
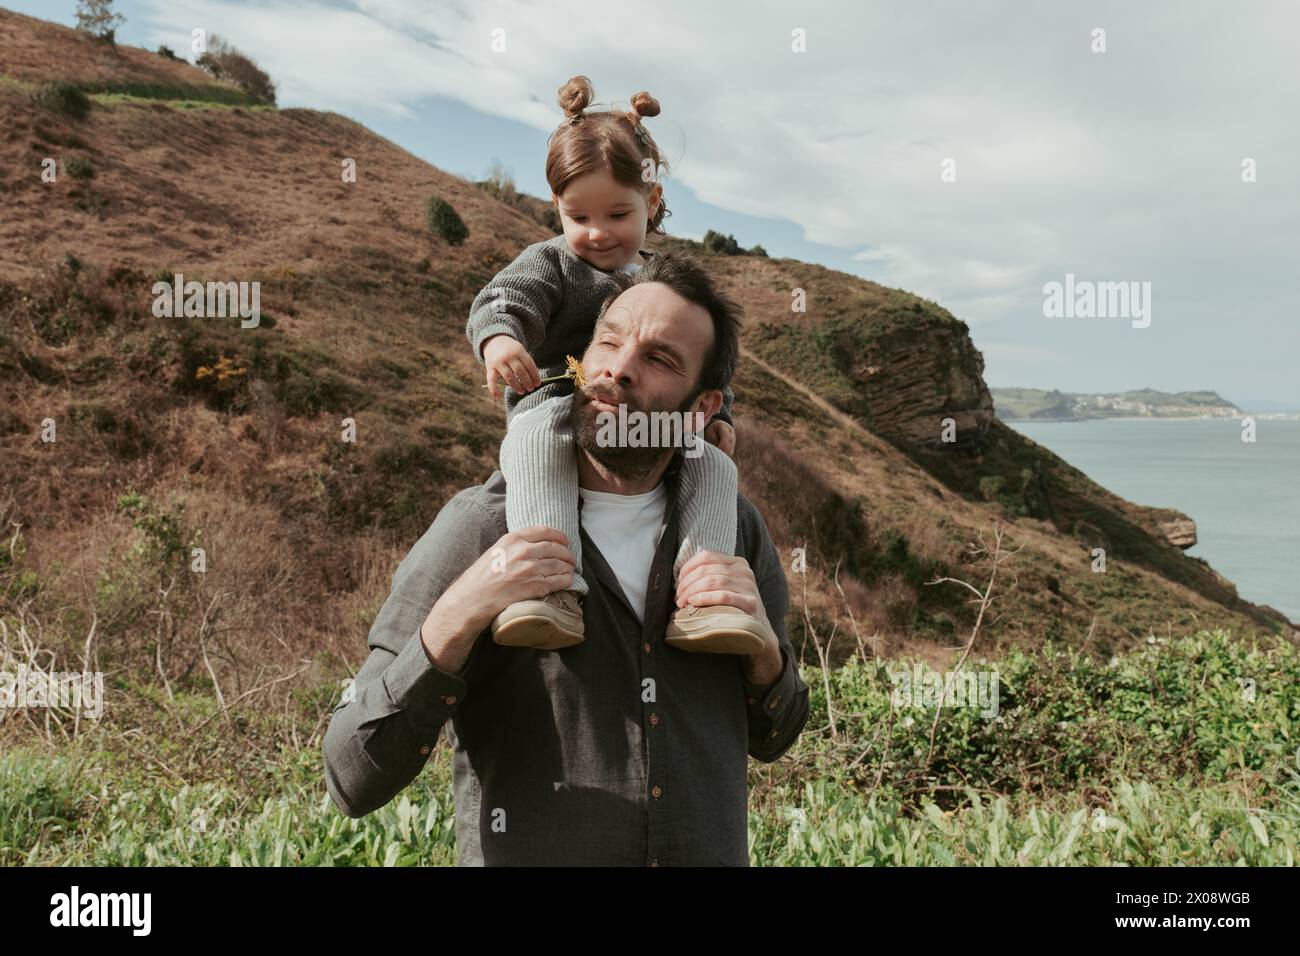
point(519, 301)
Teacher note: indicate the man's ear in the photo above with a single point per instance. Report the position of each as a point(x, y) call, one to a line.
point(707, 403)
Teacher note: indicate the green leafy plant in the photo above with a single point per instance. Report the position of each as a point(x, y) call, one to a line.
point(444, 221)
point(79, 167)
point(63, 97)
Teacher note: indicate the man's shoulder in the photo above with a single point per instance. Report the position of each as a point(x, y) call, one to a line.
point(481, 504)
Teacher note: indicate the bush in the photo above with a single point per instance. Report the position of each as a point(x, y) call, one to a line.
point(501, 187)
point(63, 97)
point(97, 18)
point(167, 52)
point(719, 244)
point(78, 167)
point(444, 222)
point(224, 62)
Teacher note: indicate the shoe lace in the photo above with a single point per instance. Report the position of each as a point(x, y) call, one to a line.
point(566, 600)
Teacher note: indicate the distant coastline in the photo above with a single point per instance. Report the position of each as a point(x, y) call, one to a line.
point(1038, 405)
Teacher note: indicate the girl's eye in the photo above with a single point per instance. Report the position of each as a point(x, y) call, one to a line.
point(619, 215)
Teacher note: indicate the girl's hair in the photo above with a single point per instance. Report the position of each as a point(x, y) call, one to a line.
point(588, 142)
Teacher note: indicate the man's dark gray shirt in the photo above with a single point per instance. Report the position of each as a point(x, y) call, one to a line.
point(620, 750)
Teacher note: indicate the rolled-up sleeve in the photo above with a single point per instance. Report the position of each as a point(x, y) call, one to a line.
point(777, 712)
point(382, 731)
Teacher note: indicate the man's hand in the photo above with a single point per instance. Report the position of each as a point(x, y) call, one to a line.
point(520, 566)
point(714, 578)
point(508, 361)
point(721, 434)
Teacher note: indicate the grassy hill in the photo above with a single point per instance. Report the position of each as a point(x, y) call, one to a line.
point(181, 433)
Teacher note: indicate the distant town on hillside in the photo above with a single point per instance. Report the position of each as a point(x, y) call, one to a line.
point(1032, 404)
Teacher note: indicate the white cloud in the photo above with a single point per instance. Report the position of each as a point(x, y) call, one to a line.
point(1122, 165)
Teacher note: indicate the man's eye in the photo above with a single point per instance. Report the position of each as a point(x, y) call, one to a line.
point(578, 218)
point(619, 215)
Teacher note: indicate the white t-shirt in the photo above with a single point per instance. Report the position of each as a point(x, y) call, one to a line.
point(626, 529)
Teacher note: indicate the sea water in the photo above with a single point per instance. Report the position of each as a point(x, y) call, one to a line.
point(1243, 496)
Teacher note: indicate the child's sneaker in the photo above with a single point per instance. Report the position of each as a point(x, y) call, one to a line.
point(715, 629)
point(547, 624)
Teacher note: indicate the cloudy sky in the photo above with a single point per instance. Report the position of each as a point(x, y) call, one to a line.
point(1116, 166)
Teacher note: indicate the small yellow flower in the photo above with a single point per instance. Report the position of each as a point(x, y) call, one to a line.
point(575, 371)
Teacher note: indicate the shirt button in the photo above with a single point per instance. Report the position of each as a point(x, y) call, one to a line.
point(646, 647)
point(656, 791)
point(654, 862)
point(749, 699)
point(773, 734)
point(654, 719)
point(449, 699)
point(775, 700)
point(424, 749)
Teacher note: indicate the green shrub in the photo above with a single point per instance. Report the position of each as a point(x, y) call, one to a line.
point(65, 98)
point(444, 221)
point(79, 167)
point(990, 485)
point(719, 244)
point(224, 62)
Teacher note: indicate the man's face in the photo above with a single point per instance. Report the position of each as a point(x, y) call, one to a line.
point(646, 353)
point(605, 221)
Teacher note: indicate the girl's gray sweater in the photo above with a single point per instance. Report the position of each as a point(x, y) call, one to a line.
point(547, 299)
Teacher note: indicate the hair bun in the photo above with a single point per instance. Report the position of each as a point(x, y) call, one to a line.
point(575, 95)
point(643, 104)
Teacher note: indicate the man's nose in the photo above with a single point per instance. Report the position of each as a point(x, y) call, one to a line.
point(620, 366)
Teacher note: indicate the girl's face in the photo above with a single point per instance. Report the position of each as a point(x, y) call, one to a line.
point(604, 221)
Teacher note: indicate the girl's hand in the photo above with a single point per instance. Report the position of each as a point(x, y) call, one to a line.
point(508, 361)
point(721, 434)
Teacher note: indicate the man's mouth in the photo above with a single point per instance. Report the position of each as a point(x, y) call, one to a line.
point(603, 402)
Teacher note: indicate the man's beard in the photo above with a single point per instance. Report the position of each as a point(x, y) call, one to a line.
point(630, 463)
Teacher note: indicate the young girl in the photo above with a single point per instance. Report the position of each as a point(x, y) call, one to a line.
point(542, 308)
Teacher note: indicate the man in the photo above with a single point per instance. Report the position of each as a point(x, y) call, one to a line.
point(621, 750)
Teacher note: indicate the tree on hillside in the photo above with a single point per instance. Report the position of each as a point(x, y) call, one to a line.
point(225, 62)
point(97, 18)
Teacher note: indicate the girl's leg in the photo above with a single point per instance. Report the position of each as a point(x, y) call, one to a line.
point(540, 465)
point(707, 492)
